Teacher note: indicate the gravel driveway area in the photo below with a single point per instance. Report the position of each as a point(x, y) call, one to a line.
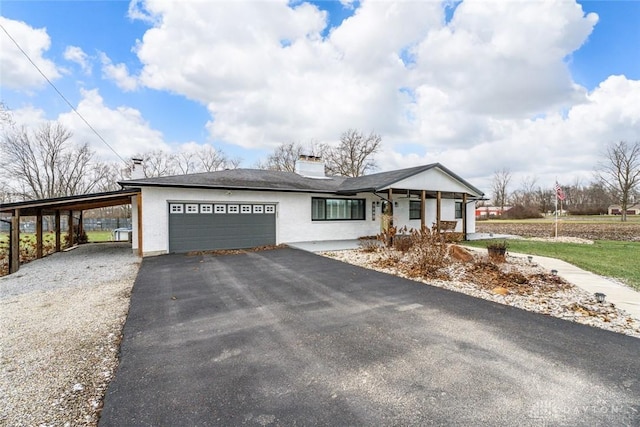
point(61, 319)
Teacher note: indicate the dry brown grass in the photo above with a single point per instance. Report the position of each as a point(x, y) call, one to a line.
point(592, 230)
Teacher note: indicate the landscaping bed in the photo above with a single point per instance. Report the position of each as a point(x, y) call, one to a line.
point(510, 280)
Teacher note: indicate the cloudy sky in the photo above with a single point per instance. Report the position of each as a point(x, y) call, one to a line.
point(537, 87)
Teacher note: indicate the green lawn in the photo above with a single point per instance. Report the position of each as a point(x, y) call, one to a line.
point(94, 236)
point(609, 258)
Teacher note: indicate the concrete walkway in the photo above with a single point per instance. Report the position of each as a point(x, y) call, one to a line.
point(622, 296)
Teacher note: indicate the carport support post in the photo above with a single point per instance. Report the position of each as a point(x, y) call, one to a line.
point(80, 224)
point(438, 209)
point(14, 248)
point(38, 233)
point(70, 230)
point(57, 225)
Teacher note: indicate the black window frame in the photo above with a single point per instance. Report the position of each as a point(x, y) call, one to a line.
point(413, 209)
point(458, 210)
point(359, 210)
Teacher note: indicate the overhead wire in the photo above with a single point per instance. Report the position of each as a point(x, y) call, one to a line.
point(62, 95)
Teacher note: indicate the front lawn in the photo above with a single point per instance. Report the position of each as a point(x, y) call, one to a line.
point(608, 258)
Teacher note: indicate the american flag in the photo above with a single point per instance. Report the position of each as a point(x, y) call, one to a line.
point(559, 193)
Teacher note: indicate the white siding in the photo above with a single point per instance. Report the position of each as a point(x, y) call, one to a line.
point(433, 180)
point(293, 223)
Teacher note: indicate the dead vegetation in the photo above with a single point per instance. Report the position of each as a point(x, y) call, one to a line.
point(426, 254)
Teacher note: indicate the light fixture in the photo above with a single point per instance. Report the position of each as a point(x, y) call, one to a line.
point(378, 203)
point(395, 204)
point(554, 272)
point(600, 297)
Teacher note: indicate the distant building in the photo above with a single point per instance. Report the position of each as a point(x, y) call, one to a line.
point(485, 212)
point(631, 210)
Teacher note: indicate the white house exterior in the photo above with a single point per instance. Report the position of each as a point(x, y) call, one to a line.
point(243, 208)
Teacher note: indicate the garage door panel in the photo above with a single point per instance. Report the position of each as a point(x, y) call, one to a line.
point(211, 231)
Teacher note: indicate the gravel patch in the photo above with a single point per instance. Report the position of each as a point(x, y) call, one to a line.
point(560, 299)
point(60, 329)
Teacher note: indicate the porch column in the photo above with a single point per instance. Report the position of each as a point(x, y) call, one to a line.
point(139, 210)
point(57, 226)
point(438, 208)
point(464, 216)
point(38, 233)
point(390, 197)
point(70, 230)
point(14, 242)
point(423, 195)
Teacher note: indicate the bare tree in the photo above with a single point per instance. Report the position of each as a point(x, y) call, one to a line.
point(211, 160)
point(283, 158)
point(354, 155)
point(203, 159)
point(620, 172)
point(499, 186)
point(45, 163)
point(159, 163)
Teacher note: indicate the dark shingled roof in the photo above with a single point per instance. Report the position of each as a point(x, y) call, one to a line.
point(246, 179)
point(258, 179)
point(378, 181)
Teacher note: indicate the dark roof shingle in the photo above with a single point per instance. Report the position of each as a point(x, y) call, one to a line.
point(259, 179)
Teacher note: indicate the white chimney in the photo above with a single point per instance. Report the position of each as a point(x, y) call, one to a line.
point(137, 171)
point(310, 167)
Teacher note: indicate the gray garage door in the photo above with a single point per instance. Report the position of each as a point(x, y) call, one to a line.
point(209, 226)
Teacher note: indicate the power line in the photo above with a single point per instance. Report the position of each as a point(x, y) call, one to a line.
point(61, 95)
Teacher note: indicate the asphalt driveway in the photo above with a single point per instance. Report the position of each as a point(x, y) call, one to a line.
point(286, 337)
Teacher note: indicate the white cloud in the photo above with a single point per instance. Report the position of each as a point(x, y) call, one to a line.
point(123, 128)
point(77, 55)
point(489, 89)
point(267, 76)
point(564, 146)
point(118, 73)
point(16, 70)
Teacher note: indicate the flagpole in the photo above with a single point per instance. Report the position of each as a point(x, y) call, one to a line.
point(556, 225)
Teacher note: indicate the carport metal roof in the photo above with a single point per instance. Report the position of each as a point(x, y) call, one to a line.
point(76, 203)
point(56, 205)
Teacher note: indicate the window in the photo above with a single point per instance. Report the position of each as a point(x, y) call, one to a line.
point(414, 209)
point(234, 209)
point(458, 210)
point(192, 208)
point(269, 209)
point(220, 209)
point(337, 209)
point(176, 208)
point(245, 208)
point(206, 209)
point(258, 208)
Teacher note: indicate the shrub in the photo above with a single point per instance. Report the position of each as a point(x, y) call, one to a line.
point(367, 245)
point(521, 212)
point(428, 254)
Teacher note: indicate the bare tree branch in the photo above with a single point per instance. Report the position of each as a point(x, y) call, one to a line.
point(354, 155)
point(620, 172)
point(499, 186)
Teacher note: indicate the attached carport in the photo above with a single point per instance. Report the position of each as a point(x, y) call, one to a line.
point(64, 206)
